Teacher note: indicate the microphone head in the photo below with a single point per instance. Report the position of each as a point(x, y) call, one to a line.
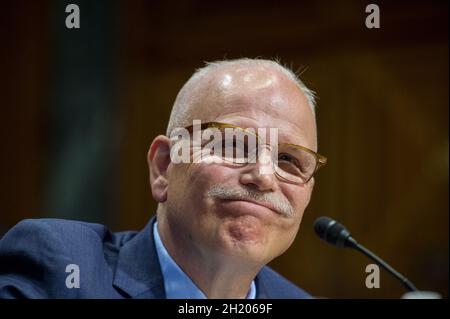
point(332, 232)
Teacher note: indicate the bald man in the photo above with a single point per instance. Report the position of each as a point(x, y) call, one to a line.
point(223, 212)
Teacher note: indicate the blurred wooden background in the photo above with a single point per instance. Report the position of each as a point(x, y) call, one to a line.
point(81, 107)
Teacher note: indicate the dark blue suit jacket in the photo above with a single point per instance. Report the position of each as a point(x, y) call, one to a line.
point(34, 255)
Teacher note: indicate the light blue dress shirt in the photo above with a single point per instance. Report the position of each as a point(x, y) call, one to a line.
point(177, 284)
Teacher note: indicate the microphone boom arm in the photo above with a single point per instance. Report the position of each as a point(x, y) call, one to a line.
point(408, 284)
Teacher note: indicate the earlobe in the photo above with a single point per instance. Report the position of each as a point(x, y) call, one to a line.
point(158, 159)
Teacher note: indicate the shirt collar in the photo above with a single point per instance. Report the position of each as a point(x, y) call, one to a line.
point(177, 284)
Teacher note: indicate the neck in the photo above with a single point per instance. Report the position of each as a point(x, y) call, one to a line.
point(216, 275)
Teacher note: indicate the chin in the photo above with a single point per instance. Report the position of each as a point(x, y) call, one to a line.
point(244, 237)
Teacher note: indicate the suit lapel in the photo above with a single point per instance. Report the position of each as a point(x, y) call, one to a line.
point(261, 290)
point(138, 272)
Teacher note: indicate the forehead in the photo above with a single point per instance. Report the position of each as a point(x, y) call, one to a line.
point(287, 132)
point(261, 101)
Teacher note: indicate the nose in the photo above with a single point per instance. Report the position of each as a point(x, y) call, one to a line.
point(260, 175)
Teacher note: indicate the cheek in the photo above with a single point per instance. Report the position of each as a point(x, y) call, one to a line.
point(286, 230)
point(189, 184)
point(299, 197)
point(185, 177)
point(204, 176)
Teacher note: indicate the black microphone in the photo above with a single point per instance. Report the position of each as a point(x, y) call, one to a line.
point(336, 234)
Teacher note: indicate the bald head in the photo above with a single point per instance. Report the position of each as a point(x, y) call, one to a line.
point(206, 93)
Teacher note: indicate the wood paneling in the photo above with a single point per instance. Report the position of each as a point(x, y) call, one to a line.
point(382, 116)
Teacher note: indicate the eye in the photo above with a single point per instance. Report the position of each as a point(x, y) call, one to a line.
point(287, 158)
point(289, 164)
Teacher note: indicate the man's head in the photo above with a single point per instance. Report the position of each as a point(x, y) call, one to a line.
point(228, 211)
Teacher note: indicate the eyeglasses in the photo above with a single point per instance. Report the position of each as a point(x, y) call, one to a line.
point(292, 163)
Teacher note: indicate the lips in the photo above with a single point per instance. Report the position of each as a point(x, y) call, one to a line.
point(255, 202)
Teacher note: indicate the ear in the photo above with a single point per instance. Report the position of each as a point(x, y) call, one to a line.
point(158, 159)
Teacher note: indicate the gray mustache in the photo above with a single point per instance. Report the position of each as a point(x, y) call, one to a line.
point(281, 204)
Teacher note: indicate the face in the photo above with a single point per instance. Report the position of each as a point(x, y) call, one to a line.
point(252, 230)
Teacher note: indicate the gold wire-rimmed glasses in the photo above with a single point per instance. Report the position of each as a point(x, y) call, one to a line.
point(294, 164)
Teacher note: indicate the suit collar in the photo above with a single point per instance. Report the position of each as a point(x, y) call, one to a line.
point(138, 272)
point(261, 290)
